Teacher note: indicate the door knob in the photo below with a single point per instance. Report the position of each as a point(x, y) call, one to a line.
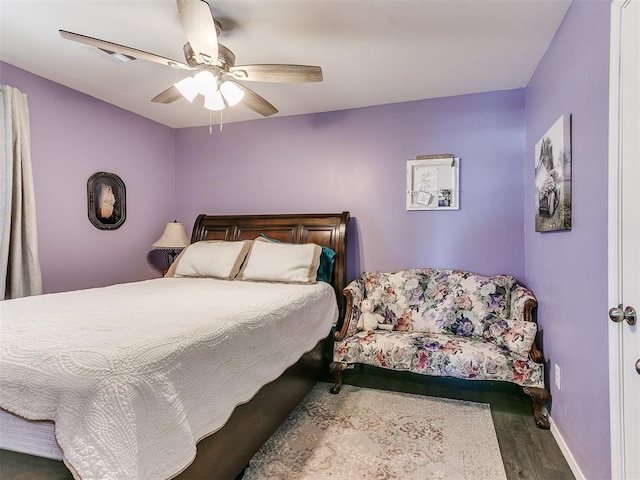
point(638, 366)
point(616, 314)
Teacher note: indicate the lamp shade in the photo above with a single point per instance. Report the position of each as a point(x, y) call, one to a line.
point(173, 238)
point(213, 101)
point(231, 93)
point(188, 88)
point(205, 82)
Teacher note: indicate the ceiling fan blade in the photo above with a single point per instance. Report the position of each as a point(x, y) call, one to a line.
point(170, 95)
point(201, 29)
point(255, 102)
point(277, 73)
point(114, 47)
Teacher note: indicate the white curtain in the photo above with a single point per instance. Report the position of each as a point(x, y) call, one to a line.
point(19, 261)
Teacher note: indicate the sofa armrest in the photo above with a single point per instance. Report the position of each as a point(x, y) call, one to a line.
point(522, 304)
point(354, 293)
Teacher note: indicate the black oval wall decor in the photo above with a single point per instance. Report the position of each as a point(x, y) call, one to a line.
point(106, 200)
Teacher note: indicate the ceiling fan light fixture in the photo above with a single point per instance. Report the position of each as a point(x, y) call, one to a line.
point(214, 101)
point(231, 93)
point(188, 88)
point(210, 62)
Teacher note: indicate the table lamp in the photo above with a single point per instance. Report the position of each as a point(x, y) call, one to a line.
point(173, 239)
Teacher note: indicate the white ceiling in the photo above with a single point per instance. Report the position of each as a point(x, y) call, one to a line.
point(372, 52)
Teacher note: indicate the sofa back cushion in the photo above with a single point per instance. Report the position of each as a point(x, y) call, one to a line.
point(434, 300)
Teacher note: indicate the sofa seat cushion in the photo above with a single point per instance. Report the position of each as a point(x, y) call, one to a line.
point(440, 355)
point(433, 300)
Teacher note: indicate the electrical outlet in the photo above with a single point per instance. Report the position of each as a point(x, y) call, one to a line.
point(557, 376)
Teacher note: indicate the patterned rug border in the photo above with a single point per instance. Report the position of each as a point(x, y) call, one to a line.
point(364, 433)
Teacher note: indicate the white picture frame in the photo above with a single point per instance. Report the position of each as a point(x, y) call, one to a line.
point(433, 183)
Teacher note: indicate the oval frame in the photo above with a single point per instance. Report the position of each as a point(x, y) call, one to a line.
point(106, 201)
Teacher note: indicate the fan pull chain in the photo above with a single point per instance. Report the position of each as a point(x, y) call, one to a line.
point(211, 122)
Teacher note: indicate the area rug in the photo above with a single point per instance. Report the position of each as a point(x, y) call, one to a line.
point(372, 434)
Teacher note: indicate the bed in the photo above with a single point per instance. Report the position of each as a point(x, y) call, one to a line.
point(243, 427)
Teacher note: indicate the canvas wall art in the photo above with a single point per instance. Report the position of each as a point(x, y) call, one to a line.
point(553, 178)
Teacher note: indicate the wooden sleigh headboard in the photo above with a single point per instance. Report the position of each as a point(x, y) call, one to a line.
point(326, 229)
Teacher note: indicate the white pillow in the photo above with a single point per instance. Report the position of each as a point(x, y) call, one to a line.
point(283, 262)
point(217, 259)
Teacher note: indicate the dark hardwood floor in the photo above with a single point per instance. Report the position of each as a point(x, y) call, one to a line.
point(527, 451)
point(18, 466)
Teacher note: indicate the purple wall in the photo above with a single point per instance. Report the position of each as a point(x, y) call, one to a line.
point(568, 270)
point(72, 137)
point(356, 160)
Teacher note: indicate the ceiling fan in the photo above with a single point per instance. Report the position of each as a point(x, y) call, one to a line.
point(216, 75)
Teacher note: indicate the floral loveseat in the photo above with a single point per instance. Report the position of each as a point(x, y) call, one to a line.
point(445, 323)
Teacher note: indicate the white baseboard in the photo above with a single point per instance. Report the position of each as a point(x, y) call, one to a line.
point(564, 448)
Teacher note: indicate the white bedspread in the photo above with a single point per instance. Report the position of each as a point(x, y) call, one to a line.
point(134, 375)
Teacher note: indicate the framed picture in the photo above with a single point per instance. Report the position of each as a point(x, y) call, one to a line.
point(106, 199)
point(433, 183)
point(553, 178)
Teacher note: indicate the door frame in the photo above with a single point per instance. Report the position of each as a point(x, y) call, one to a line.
point(616, 382)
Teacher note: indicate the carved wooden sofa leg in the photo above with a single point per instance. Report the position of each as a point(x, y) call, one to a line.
point(540, 398)
point(336, 369)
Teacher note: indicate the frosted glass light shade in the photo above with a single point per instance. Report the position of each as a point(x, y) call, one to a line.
point(214, 101)
point(173, 238)
point(188, 88)
point(232, 93)
point(206, 82)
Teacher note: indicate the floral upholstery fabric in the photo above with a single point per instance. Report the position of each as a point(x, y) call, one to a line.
point(440, 355)
point(445, 323)
point(438, 301)
point(356, 290)
point(519, 298)
point(517, 336)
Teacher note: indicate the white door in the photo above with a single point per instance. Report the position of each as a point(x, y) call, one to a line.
point(624, 238)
